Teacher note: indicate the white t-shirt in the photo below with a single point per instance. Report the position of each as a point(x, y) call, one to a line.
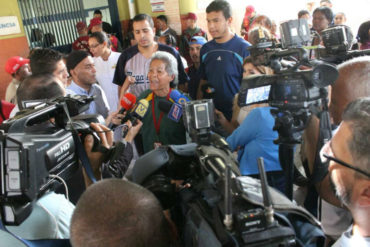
point(104, 75)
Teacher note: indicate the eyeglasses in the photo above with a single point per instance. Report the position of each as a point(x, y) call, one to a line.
point(325, 157)
point(94, 46)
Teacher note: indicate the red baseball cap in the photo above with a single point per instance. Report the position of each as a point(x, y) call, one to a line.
point(14, 63)
point(80, 25)
point(250, 9)
point(94, 22)
point(191, 16)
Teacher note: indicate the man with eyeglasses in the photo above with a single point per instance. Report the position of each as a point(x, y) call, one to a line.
point(352, 83)
point(349, 170)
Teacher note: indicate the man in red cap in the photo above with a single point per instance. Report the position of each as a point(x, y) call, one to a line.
point(191, 30)
point(96, 25)
point(18, 68)
point(249, 16)
point(82, 42)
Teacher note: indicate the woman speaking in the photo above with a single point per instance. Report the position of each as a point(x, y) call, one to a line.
point(158, 129)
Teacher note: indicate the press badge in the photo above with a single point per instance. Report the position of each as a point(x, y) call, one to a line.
point(175, 112)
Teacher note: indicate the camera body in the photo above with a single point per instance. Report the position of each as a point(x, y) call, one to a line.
point(35, 146)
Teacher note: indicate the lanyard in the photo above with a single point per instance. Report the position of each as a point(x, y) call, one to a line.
point(157, 125)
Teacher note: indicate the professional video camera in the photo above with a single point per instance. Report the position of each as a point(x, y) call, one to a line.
point(37, 146)
point(337, 45)
point(296, 91)
point(212, 204)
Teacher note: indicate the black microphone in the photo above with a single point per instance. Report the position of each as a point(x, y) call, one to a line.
point(165, 106)
point(138, 112)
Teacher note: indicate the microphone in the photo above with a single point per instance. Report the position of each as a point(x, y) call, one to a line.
point(137, 112)
point(174, 110)
point(165, 106)
point(127, 102)
point(178, 97)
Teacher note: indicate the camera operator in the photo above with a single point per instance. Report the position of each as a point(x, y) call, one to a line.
point(349, 170)
point(352, 83)
point(119, 213)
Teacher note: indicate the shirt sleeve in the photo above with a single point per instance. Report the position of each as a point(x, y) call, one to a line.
point(202, 69)
point(119, 74)
point(246, 132)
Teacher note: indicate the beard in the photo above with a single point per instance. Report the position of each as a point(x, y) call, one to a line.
point(342, 193)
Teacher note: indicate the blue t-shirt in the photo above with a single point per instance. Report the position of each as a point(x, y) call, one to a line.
point(222, 67)
point(255, 138)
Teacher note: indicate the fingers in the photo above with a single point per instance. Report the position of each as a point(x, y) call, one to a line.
point(105, 134)
point(88, 143)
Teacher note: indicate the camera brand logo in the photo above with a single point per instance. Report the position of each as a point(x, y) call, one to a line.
point(63, 149)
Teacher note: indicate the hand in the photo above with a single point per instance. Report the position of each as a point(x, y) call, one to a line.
point(133, 130)
point(114, 118)
point(96, 158)
point(221, 117)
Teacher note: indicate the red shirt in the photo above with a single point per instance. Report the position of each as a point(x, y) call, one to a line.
point(6, 108)
point(82, 43)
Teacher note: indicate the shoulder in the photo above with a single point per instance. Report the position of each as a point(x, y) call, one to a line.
point(144, 94)
point(162, 47)
point(129, 52)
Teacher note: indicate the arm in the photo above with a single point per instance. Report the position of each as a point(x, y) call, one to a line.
point(96, 158)
point(228, 126)
point(200, 92)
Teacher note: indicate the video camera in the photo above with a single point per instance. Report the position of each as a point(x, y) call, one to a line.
point(37, 146)
point(338, 42)
point(213, 204)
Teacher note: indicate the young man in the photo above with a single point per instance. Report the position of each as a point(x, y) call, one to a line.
point(82, 69)
point(48, 61)
point(133, 65)
point(82, 42)
point(222, 57)
point(191, 30)
point(163, 28)
point(18, 68)
point(195, 45)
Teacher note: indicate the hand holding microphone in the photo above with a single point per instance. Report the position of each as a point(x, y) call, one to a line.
point(127, 102)
point(137, 113)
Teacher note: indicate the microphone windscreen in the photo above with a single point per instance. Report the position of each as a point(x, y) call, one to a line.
point(128, 100)
point(141, 108)
point(178, 97)
point(165, 106)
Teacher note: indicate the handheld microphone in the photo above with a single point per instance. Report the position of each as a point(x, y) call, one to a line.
point(137, 112)
point(127, 102)
point(165, 106)
point(178, 97)
point(174, 110)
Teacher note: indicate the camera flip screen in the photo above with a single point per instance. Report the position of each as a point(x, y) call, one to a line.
point(259, 94)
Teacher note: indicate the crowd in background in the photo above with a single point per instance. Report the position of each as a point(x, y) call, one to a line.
point(153, 61)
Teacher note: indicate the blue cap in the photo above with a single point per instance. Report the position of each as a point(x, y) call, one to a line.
point(197, 40)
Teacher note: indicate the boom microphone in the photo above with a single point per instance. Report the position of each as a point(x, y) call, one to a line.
point(127, 102)
point(178, 97)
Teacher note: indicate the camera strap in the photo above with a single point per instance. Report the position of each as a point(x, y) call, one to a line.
point(80, 149)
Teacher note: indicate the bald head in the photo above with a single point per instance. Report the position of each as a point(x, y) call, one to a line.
point(114, 212)
point(353, 82)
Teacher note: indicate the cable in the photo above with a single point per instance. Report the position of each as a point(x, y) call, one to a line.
point(62, 181)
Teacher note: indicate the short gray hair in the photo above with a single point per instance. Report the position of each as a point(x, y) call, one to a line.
point(357, 115)
point(170, 64)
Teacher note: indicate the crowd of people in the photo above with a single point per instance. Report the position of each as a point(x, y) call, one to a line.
point(157, 61)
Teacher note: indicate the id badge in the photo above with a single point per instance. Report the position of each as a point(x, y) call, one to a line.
point(157, 145)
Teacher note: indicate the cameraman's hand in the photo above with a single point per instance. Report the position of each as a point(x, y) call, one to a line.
point(133, 130)
point(96, 158)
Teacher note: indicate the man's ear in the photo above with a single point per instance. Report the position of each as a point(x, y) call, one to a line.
point(229, 20)
point(364, 199)
point(72, 73)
